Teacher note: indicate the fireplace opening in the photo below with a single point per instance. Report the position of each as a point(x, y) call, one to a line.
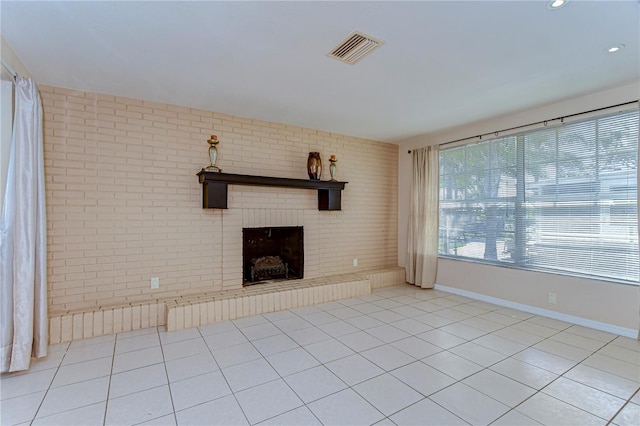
point(272, 253)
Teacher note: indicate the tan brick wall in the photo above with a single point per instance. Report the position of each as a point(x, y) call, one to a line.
point(124, 204)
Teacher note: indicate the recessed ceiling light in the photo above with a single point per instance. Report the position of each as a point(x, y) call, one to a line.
point(556, 4)
point(614, 49)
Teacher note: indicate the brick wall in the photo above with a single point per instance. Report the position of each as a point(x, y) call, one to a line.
point(124, 204)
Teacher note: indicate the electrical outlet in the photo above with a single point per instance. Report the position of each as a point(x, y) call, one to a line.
point(155, 282)
point(355, 262)
point(553, 298)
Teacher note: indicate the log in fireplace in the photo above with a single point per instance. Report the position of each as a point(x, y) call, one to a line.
point(272, 253)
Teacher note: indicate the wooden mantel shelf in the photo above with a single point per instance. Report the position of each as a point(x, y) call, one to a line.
point(214, 188)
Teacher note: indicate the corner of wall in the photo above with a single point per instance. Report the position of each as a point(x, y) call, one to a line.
point(10, 58)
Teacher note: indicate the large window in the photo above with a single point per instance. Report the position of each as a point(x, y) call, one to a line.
point(557, 199)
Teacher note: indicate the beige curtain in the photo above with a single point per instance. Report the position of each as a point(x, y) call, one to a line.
point(422, 238)
point(23, 240)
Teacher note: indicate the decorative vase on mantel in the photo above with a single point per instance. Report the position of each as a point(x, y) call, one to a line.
point(213, 154)
point(314, 166)
point(333, 167)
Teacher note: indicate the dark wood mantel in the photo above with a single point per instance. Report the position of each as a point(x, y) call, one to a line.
point(215, 188)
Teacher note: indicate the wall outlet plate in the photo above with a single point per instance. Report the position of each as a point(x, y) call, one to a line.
point(355, 262)
point(553, 298)
point(155, 282)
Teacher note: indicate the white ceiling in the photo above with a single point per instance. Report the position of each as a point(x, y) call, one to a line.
point(443, 64)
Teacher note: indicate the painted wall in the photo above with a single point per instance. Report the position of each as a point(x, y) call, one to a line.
point(602, 301)
point(124, 203)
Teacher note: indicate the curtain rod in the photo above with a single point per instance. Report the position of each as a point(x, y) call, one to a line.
point(536, 123)
point(8, 68)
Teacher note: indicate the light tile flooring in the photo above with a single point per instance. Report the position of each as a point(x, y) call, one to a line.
point(398, 356)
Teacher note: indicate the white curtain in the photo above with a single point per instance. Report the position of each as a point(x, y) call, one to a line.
point(638, 199)
point(422, 247)
point(23, 241)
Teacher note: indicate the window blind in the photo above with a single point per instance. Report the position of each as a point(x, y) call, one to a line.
point(558, 199)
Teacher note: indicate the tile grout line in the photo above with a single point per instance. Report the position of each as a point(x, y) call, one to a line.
point(280, 377)
point(35, 415)
point(336, 338)
point(164, 364)
point(591, 352)
point(383, 370)
point(528, 347)
point(113, 360)
point(413, 335)
point(604, 344)
point(488, 367)
point(235, 398)
point(456, 381)
point(322, 364)
point(627, 402)
point(563, 376)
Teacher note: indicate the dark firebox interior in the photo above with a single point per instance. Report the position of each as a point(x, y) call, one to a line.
point(283, 242)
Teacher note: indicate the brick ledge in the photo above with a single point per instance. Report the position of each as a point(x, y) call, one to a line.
point(204, 308)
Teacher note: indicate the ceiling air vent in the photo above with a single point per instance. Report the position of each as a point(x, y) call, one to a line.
point(355, 47)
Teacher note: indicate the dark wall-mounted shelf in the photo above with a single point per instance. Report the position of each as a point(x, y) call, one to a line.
point(214, 188)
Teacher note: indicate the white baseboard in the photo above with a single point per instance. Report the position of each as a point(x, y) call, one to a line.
point(602, 326)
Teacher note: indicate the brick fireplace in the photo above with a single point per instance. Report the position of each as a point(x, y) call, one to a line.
point(272, 253)
point(268, 208)
point(124, 206)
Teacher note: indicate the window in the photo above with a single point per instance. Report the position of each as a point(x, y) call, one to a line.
point(557, 199)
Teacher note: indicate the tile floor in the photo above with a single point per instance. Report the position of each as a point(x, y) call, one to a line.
point(400, 356)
